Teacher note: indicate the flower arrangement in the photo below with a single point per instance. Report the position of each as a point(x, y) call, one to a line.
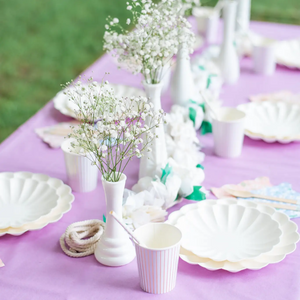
point(181, 178)
point(188, 5)
point(150, 46)
point(112, 130)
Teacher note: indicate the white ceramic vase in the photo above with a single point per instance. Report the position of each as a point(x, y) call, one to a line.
point(243, 15)
point(166, 77)
point(228, 60)
point(114, 248)
point(182, 85)
point(157, 158)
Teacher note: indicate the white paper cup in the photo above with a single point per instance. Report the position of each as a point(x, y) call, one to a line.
point(207, 22)
point(157, 256)
point(264, 57)
point(82, 175)
point(228, 132)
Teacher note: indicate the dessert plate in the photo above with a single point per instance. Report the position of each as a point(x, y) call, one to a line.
point(272, 121)
point(228, 232)
point(64, 195)
point(62, 104)
point(286, 245)
point(24, 199)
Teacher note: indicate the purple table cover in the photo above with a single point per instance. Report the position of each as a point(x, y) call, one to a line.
point(36, 267)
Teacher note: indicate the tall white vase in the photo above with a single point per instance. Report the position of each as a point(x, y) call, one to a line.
point(243, 15)
point(157, 158)
point(228, 59)
point(114, 248)
point(182, 85)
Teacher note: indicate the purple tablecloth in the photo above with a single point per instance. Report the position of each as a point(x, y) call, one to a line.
point(36, 268)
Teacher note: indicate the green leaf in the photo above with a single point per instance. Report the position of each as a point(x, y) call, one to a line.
point(200, 167)
point(165, 173)
point(206, 127)
point(196, 195)
point(104, 219)
point(192, 114)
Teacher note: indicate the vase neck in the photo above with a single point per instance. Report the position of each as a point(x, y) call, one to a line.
point(229, 15)
point(183, 52)
point(153, 92)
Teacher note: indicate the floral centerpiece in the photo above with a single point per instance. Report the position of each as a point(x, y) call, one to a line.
point(159, 30)
point(111, 132)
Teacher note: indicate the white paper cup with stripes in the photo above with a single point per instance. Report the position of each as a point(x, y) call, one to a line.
point(157, 256)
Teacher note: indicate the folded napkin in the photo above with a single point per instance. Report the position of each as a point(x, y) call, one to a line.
point(262, 186)
point(55, 135)
point(285, 96)
point(1, 263)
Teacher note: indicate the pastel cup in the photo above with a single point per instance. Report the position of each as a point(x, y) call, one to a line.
point(207, 22)
point(264, 57)
point(157, 256)
point(82, 175)
point(228, 132)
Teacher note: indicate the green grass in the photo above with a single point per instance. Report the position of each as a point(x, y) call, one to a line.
point(46, 43)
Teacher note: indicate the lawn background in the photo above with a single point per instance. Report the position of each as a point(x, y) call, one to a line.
point(46, 43)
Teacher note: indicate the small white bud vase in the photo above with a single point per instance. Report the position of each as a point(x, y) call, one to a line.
point(150, 161)
point(182, 85)
point(228, 60)
point(243, 15)
point(114, 248)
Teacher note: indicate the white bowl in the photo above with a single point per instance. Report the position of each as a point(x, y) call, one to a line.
point(228, 232)
point(272, 121)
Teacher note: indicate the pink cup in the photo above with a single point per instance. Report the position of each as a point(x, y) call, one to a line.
point(157, 256)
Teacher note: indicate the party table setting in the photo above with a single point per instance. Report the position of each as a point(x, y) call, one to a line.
point(169, 168)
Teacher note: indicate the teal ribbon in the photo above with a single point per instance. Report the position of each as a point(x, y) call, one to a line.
point(196, 195)
point(104, 218)
point(200, 167)
point(192, 114)
point(209, 80)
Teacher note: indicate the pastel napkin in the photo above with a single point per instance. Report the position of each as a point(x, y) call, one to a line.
point(262, 186)
point(1, 263)
point(285, 96)
point(55, 135)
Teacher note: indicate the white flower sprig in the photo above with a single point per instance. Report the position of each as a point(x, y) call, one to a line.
point(159, 30)
point(112, 131)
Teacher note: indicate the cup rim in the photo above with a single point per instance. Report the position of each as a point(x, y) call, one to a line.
point(160, 249)
point(230, 121)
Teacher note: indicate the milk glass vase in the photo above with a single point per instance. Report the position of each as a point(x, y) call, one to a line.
point(243, 15)
point(157, 158)
point(114, 247)
point(228, 60)
point(182, 85)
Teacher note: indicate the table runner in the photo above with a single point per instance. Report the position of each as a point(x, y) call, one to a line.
point(36, 268)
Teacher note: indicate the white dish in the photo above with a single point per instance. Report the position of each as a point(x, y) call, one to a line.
point(62, 104)
point(286, 245)
point(65, 198)
point(228, 232)
point(288, 53)
point(272, 121)
point(24, 199)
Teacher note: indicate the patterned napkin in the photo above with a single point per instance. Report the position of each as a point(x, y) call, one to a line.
point(55, 135)
point(262, 186)
point(284, 96)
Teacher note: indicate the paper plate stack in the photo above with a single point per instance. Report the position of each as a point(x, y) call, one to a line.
point(31, 201)
point(233, 235)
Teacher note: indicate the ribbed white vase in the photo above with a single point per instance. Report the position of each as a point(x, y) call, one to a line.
point(182, 85)
point(114, 247)
point(82, 175)
point(243, 15)
point(150, 161)
point(228, 60)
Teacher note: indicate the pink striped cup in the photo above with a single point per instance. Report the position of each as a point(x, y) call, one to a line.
point(157, 256)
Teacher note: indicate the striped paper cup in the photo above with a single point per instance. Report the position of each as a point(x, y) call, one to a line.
point(157, 256)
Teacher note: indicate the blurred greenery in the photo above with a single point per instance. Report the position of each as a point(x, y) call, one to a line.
point(46, 43)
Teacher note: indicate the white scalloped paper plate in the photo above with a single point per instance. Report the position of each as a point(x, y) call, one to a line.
point(65, 198)
point(61, 102)
point(288, 53)
point(286, 245)
point(272, 121)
